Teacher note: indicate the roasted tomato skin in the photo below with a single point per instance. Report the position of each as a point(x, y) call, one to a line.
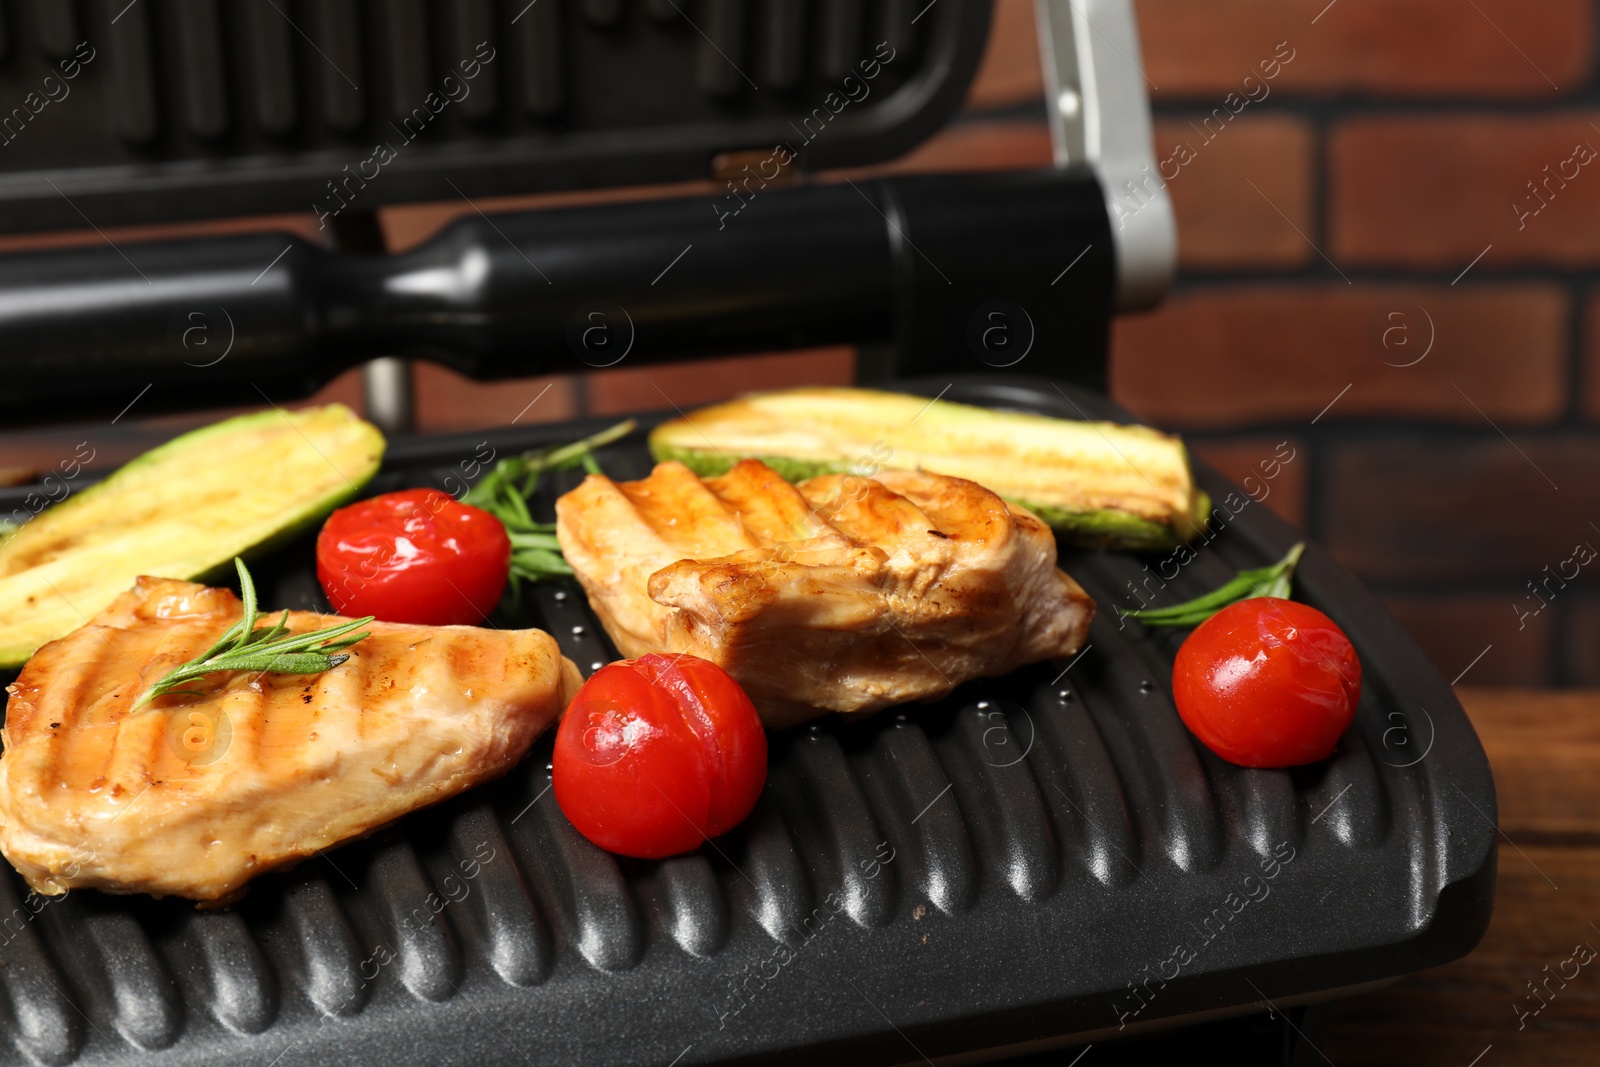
point(1267, 683)
point(656, 754)
point(416, 556)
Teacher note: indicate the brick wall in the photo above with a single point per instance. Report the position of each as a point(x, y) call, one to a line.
point(1365, 269)
point(1354, 276)
point(1383, 185)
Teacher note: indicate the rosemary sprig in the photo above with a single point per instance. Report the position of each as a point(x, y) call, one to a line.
point(504, 493)
point(245, 648)
point(1274, 580)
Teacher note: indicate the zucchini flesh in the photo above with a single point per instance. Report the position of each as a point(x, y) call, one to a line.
point(182, 510)
point(1099, 484)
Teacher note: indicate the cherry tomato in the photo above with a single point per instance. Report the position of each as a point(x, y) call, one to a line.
point(1267, 683)
point(656, 754)
point(415, 556)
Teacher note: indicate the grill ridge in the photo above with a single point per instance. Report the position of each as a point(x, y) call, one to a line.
point(242, 988)
point(43, 1022)
point(910, 794)
point(502, 904)
point(1028, 893)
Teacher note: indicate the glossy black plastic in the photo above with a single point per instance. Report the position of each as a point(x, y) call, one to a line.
point(116, 113)
point(1022, 862)
point(948, 270)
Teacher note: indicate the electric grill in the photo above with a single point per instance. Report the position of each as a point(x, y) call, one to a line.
point(1040, 861)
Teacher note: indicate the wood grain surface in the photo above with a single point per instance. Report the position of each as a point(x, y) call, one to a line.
point(1508, 1002)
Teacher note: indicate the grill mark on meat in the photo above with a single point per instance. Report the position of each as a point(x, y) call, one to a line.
point(866, 611)
point(769, 508)
point(687, 515)
point(293, 776)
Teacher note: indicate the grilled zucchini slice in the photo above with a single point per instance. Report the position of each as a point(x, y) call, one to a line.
point(1099, 484)
point(182, 510)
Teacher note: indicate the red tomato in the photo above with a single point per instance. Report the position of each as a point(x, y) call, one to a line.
point(415, 556)
point(1267, 683)
point(656, 754)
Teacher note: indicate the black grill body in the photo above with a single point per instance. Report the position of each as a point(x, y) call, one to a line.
point(1043, 858)
point(1039, 860)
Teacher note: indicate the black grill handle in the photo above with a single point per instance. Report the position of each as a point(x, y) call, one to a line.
point(952, 272)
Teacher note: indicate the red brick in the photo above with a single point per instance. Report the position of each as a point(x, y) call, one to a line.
point(447, 401)
point(1223, 219)
point(1241, 457)
point(685, 385)
point(43, 448)
point(1426, 191)
point(1407, 508)
point(1412, 49)
point(302, 224)
point(408, 225)
point(1416, 49)
point(345, 389)
point(1010, 72)
point(993, 144)
point(1453, 630)
point(1233, 356)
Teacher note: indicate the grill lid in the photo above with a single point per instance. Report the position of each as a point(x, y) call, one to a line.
point(157, 110)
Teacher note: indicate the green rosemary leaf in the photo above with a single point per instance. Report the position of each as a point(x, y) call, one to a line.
point(567, 456)
point(247, 591)
point(244, 648)
point(535, 540)
point(226, 640)
point(504, 493)
point(316, 638)
point(517, 511)
point(1278, 587)
point(1275, 581)
point(276, 631)
point(1217, 598)
point(537, 563)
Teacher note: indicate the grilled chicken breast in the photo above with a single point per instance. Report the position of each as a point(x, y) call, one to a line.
point(841, 593)
point(195, 794)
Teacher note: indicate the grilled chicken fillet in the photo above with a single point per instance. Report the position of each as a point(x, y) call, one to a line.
point(841, 593)
point(193, 795)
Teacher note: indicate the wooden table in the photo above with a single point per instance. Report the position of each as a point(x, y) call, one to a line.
point(1545, 750)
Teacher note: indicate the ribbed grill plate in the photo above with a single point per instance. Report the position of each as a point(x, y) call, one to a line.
point(1041, 855)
